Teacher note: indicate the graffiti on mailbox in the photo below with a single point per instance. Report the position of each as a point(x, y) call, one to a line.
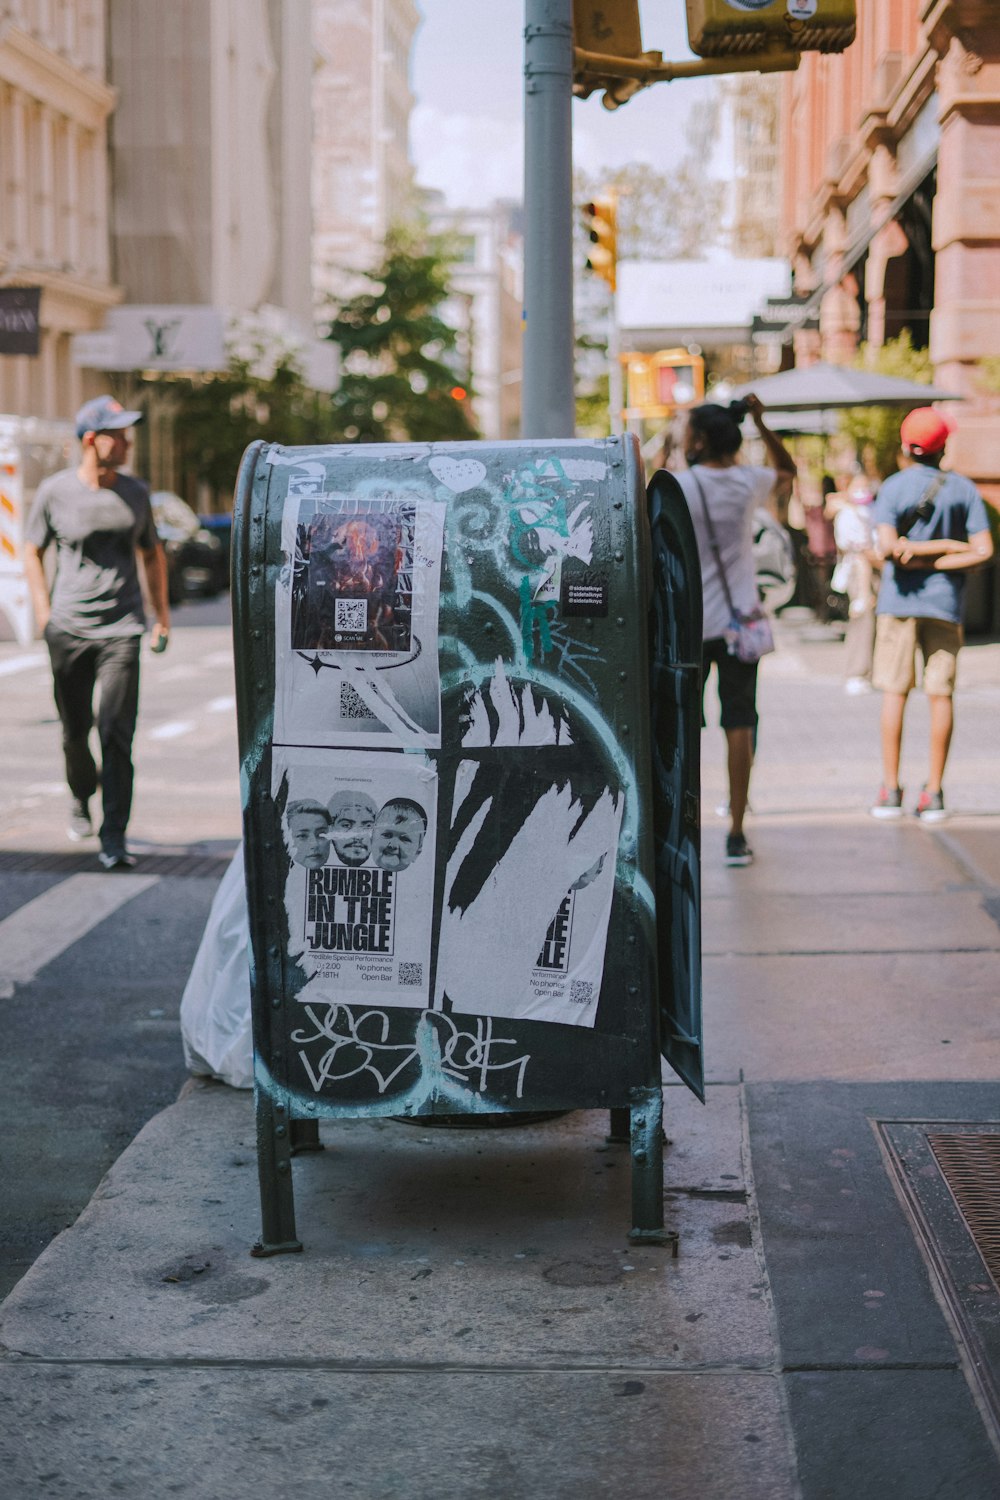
point(356, 612)
point(360, 834)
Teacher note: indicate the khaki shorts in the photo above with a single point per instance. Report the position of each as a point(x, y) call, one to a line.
point(896, 645)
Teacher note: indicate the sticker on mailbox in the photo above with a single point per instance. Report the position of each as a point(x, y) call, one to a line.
point(582, 595)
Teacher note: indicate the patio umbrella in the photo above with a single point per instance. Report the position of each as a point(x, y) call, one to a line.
point(822, 387)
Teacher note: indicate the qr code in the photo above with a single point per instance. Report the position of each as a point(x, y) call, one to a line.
point(351, 614)
point(352, 705)
point(581, 992)
point(411, 973)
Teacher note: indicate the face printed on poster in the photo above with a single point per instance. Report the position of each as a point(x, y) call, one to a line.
point(356, 612)
point(359, 830)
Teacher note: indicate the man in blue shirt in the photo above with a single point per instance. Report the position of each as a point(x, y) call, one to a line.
point(932, 528)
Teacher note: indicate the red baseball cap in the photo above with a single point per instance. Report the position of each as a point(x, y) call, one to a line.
point(926, 429)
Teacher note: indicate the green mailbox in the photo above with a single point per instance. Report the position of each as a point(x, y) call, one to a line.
point(468, 682)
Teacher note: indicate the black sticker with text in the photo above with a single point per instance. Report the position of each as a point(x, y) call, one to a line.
point(583, 594)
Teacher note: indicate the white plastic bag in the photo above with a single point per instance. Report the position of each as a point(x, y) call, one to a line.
point(215, 1008)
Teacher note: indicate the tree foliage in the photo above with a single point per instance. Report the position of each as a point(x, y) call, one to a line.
point(877, 427)
point(671, 215)
point(400, 359)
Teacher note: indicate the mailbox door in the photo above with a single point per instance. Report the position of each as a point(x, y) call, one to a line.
point(675, 660)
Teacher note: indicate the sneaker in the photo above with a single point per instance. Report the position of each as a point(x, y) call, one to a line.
point(116, 859)
point(930, 807)
point(80, 826)
point(888, 803)
point(738, 851)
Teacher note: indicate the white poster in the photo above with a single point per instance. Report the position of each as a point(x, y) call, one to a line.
point(526, 913)
point(356, 618)
point(359, 895)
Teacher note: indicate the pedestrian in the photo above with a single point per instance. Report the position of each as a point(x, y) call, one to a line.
point(98, 519)
point(722, 495)
point(932, 528)
point(821, 550)
point(855, 576)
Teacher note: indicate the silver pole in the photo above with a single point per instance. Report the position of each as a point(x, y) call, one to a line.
point(547, 395)
point(616, 384)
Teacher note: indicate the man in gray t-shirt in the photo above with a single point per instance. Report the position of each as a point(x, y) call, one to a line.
point(98, 519)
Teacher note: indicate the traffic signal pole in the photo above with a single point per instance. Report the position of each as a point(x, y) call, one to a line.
point(547, 394)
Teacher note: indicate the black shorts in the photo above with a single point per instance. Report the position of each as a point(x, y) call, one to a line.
point(737, 685)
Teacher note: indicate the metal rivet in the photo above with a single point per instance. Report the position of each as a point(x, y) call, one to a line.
point(639, 1155)
point(639, 1121)
point(624, 729)
point(619, 557)
point(633, 989)
point(283, 1166)
point(270, 900)
point(620, 620)
point(267, 848)
point(258, 635)
point(281, 1130)
point(623, 677)
point(279, 1109)
point(274, 951)
point(276, 1001)
point(630, 938)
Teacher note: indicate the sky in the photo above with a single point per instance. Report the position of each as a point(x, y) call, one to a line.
point(466, 131)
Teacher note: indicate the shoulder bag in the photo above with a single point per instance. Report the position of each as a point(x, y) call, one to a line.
point(749, 635)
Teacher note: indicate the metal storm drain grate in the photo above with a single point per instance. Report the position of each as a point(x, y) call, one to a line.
point(947, 1177)
point(970, 1165)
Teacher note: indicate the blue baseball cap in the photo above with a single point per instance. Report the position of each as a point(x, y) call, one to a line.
point(104, 414)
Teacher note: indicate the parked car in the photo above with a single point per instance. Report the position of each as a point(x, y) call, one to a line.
point(222, 527)
point(197, 565)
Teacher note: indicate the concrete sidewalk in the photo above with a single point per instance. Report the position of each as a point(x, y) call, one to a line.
point(468, 1317)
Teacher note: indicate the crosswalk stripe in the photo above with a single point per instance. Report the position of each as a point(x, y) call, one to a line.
point(174, 730)
point(20, 664)
point(43, 928)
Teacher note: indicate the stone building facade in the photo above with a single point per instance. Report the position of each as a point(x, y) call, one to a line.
point(891, 213)
point(55, 101)
point(362, 176)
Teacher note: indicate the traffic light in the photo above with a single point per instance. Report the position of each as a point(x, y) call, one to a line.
point(608, 29)
point(600, 219)
point(732, 28)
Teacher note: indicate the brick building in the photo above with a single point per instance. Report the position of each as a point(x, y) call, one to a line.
point(892, 200)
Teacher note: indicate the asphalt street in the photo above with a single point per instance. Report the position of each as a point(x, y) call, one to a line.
point(93, 966)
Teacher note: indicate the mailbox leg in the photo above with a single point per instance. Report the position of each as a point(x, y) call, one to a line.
point(647, 1173)
point(274, 1163)
point(305, 1136)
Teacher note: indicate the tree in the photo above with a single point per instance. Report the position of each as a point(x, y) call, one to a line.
point(403, 374)
point(674, 215)
point(877, 427)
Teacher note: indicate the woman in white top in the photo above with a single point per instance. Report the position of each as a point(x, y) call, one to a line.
point(717, 483)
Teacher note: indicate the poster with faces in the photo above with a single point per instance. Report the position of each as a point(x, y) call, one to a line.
point(359, 832)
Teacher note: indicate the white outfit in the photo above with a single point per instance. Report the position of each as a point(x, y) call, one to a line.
point(731, 494)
